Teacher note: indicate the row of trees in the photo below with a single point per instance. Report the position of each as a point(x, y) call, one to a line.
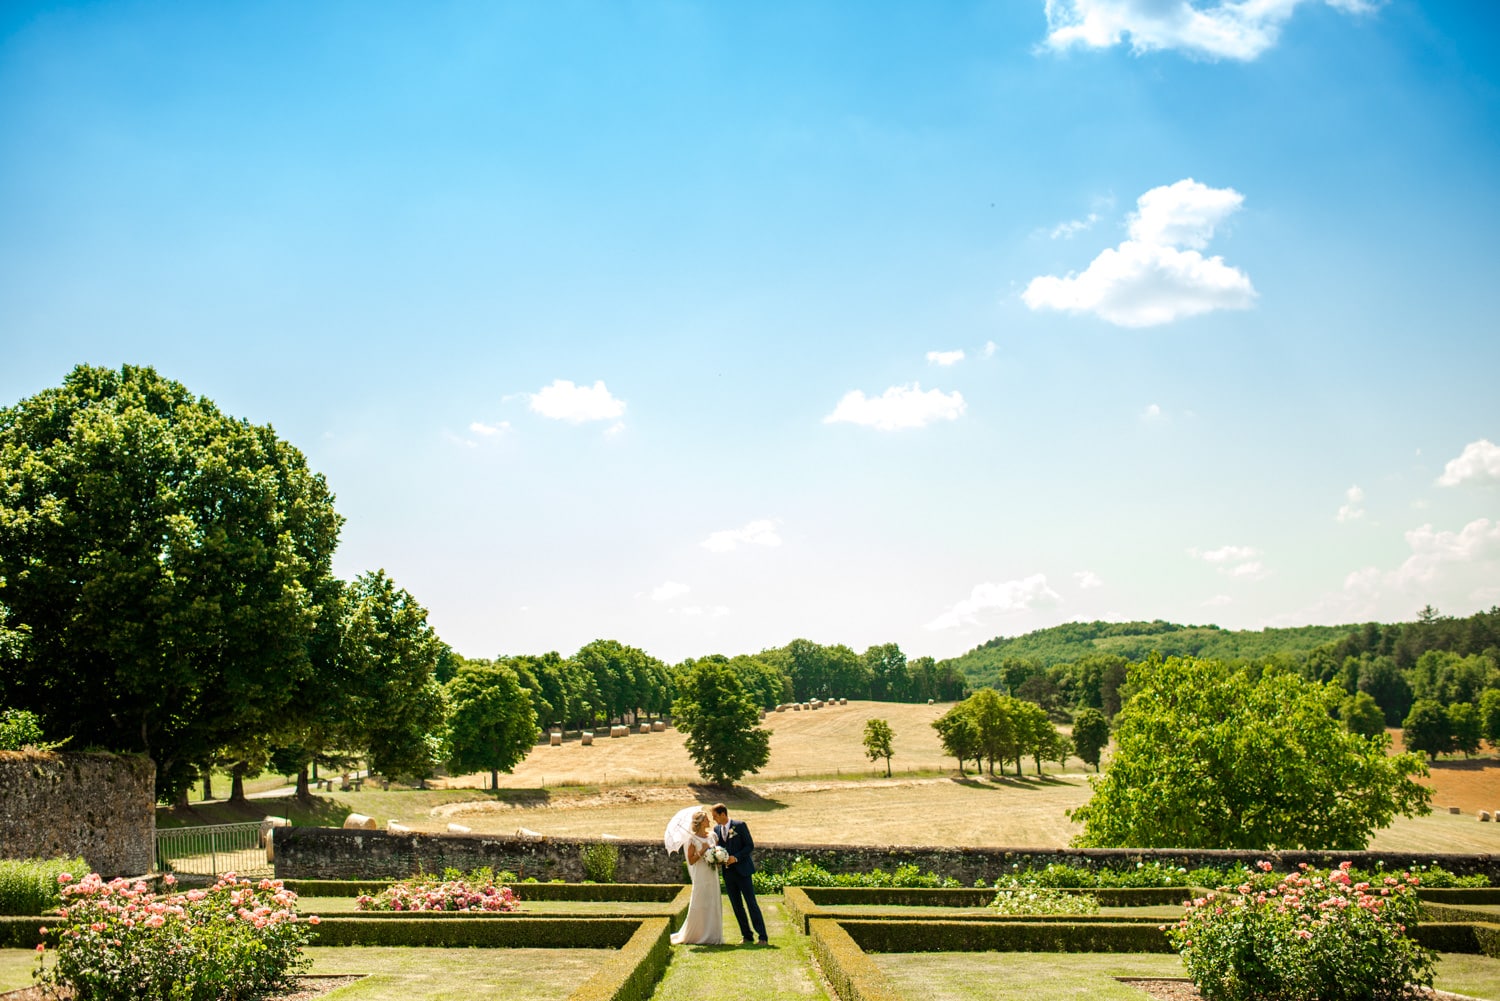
point(1434, 728)
point(988, 727)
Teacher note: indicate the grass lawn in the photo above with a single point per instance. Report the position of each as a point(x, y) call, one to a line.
point(419, 974)
point(781, 972)
point(1026, 976)
point(562, 908)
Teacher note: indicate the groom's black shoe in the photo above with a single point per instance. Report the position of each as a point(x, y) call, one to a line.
point(748, 941)
point(765, 941)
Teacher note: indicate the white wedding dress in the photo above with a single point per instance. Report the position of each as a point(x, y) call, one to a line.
point(705, 918)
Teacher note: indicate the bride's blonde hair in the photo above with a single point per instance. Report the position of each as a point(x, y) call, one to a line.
point(700, 817)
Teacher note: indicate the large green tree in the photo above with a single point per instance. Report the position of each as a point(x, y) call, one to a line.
point(878, 740)
point(1211, 757)
point(491, 725)
point(722, 723)
point(160, 563)
point(1427, 729)
point(1090, 735)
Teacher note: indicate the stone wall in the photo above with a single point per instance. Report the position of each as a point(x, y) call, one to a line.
point(330, 853)
point(99, 806)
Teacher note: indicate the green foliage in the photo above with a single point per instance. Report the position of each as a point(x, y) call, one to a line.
point(1042, 900)
point(491, 725)
point(477, 931)
point(1141, 875)
point(600, 861)
point(1090, 735)
point(1466, 726)
point(632, 973)
point(29, 886)
point(1217, 758)
point(999, 728)
point(1310, 934)
point(1361, 715)
point(1427, 729)
point(21, 730)
point(959, 735)
point(1021, 935)
point(878, 738)
point(847, 967)
point(803, 872)
point(721, 722)
point(162, 556)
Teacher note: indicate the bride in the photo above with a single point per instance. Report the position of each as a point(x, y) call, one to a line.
point(690, 830)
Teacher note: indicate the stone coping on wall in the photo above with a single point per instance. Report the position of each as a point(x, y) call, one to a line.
point(335, 853)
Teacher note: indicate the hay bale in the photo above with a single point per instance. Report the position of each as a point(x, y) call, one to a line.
point(781, 708)
point(527, 834)
point(554, 740)
point(796, 707)
point(587, 738)
point(644, 728)
point(845, 702)
point(268, 824)
point(1484, 816)
point(619, 731)
point(1455, 810)
point(396, 827)
point(658, 727)
point(929, 702)
point(359, 822)
point(459, 829)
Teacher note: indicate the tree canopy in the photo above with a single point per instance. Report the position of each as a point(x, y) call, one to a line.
point(878, 739)
point(722, 723)
point(491, 725)
point(1213, 757)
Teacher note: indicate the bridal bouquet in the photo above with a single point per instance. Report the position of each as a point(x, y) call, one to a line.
point(718, 857)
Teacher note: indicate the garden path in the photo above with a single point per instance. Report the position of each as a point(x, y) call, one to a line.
point(782, 971)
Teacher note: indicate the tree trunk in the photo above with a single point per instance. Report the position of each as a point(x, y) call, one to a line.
point(887, 767)
point(304, 790)
point(237, 784)
point(494, 778)
point(208, 785)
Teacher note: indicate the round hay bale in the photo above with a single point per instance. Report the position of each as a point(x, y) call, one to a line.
point(459, 829)
point(359, 822)
point(554, 739)
point(527, 834)
point(619, 731)
point(929, 702)
point(396, 827)
point(845, 702)
point(1455, 810)
point(587, 739)
point(796, 707)
point(1484, 816)
point(643, 728)
point(268, 824)
point(781, 708)
point(658, 727)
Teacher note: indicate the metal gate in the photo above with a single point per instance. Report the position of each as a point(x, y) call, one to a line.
point(212, 850)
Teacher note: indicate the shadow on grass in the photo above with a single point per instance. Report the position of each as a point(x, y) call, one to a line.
point(1031, 783)
point(739, 799)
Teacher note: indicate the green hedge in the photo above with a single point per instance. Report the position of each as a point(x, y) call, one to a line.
point(1448, 912)
point(1460, 895)
point(852, 974)
point(508, 931)
point(632, 973)
point(924, 897)
point(29, 886)
point(800, 908)
point(21, 932)
point(606, 892)
point(1006, 936)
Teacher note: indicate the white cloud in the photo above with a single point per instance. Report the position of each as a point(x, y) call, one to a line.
point(563, 401)
point(1148, 279)
point(897, 408)
point(1353, 508)
point(1450, 570)
point(667, 590)
point(1071, 228)
point(1253, 570)
point(945, 358)
point(1224, 554)
point(1217, 29)
point(1479, 463)
point(1087, 580)
point(756, 533)
point(990, 347)
point(1152, 412)
point(1011, 596)
point(489, 430)
point(696, 611)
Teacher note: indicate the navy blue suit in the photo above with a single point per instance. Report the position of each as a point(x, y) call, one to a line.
point(735, 838)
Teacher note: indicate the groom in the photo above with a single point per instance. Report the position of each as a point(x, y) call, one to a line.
point(734, 836)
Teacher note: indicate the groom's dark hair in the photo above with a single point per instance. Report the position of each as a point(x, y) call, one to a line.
point(719, 810)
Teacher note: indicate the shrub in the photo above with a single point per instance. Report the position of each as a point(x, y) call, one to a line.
point(456, 931)
point(1309, 934)
point(1042, 900)
point(118, 940)
point(600, 861)
point(803, 872)
point(21, 730)
point(452, 892)
point(1145, 874)
point(29, 886)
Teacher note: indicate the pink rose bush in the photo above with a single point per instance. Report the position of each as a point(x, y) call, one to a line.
point(1327, 934)
point(236, 940)
point(428, 893)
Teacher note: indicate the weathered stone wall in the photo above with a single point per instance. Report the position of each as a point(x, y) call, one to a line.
point(99, 806)
point(330, 853)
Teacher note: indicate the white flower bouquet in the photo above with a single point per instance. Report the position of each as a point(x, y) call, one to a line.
point(718, 857)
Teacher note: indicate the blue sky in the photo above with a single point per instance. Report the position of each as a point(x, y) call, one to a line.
point(643, 320)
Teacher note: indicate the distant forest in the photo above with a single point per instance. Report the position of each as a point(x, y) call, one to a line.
point(1083, 664)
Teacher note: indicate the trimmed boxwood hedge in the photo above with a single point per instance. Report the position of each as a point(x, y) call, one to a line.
point(506, 931)
point(1460, 895)
point(1479, 937)
point(21, 932)
point(1149, 896)
point(1006, 936)
point(606, 892)
point(632, 973)
point(852, 974)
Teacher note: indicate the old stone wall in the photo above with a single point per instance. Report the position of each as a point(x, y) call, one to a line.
point(99, 806)
point(330, 853)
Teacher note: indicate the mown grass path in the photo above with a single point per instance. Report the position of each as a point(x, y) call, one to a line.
point(781, 971)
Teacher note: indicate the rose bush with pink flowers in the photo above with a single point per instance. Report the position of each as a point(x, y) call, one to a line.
point(1325, 934)
point(236, 940)
point(450, 893)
